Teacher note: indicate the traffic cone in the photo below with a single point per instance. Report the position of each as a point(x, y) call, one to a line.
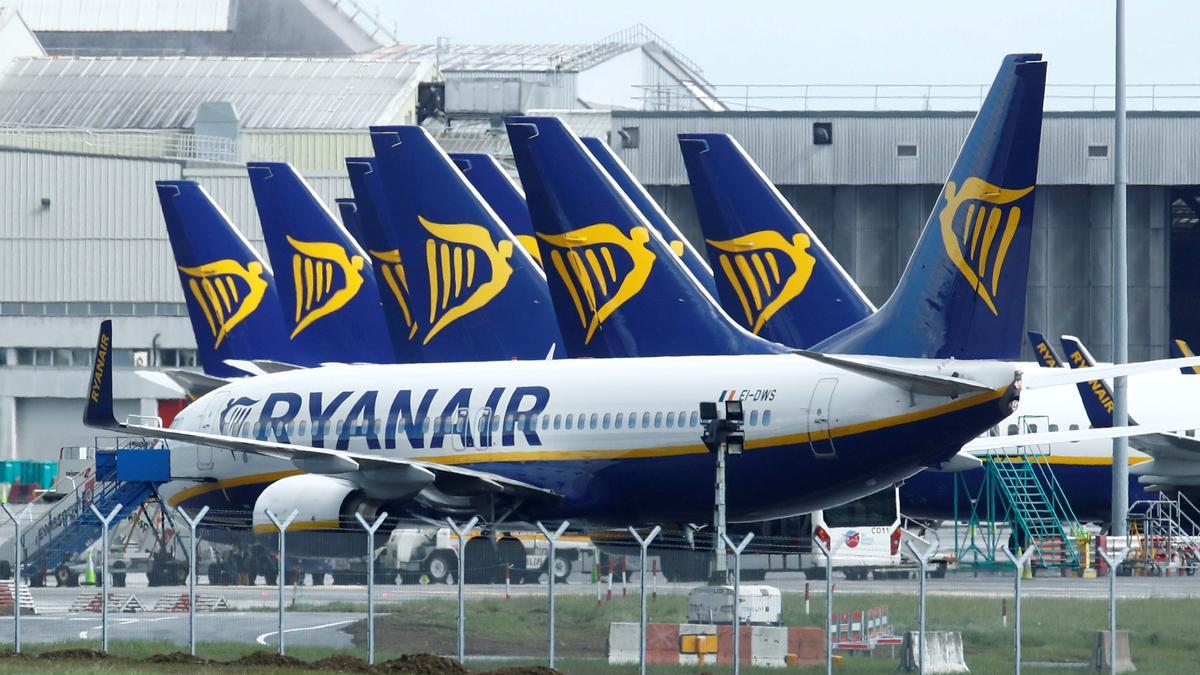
point(89, 577)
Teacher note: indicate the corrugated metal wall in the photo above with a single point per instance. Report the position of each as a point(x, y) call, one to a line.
point(1162, 146)
point(499, 92)
point(873, 229)
point(102, 216)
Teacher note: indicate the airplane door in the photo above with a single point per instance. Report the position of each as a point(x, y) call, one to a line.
point(461, 428)
point(483, 427)
point(204, 453)
point(820, 419)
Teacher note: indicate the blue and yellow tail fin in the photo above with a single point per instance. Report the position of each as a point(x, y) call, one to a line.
point(475, 290)
point(1180, 349)
point(229, 289)
point(326, 285)
point(773, 274)
point(618, 289)
point(1044, 352)
point(374, 222)
point(501, 193)
point(654, 215)
point(963, 292)
point(1096, 395)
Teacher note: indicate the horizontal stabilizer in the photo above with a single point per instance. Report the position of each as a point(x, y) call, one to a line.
point(917, 383)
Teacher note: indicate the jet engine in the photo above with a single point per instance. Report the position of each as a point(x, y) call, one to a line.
point(325, 507)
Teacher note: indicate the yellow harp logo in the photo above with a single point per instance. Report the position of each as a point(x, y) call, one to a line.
point(597, 284)
point(227, 293)
point(766, 271)
point(455, 254)
point(316, 266)
point(393, 274)
point(976, 240)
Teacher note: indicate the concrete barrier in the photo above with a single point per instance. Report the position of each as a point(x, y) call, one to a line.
point(1101, 652)
point(944, 652)
point(624, 643)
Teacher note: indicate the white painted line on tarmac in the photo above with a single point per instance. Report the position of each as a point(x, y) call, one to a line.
point(262, 639)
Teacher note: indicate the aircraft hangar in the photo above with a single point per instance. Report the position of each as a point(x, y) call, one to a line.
point(94, 108)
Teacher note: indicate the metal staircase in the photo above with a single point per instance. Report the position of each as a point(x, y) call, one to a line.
point(127, 476)
point(1019, 489)
point(1164, 535)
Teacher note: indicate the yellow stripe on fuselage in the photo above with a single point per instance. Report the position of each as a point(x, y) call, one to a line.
point(237, 481)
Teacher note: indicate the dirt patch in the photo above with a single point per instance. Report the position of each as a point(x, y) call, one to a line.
point(271, 659)
point(525, 670)
point(340, 663)
point(424, 664)
point(179, 657)
point(74, 654)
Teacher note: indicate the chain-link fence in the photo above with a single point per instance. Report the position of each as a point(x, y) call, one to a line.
point(675, 608)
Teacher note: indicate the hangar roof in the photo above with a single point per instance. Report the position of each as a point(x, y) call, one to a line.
point(163, 93)
point(124, 15)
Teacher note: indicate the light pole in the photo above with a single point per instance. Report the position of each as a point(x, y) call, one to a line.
point(722, 435)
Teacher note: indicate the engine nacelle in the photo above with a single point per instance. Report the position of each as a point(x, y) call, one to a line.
point(324, 525)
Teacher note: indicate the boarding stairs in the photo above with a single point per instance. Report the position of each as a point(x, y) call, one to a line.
point(1165, 536)
point(128, 475)
point(1019, 489)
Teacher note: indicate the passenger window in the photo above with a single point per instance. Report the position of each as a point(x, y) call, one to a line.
point(495, 423)
point(1053, 427)
point(682, 419)
point(1190, 433)
point(766, 417)
point(1074, 427)
point(617, 422)
point(1032, 428)
point(753, 418)
point(671, 419)
point(545, 422)
point(1012, 430)
point(570, 417)
point(302, 427)
point(341, 424)
point(632, 420)
point(606, 421)
point(657, 420)
point(695, 419)
point(646, 420)
point(437, 424)
point(558, 421)
point(508, 422)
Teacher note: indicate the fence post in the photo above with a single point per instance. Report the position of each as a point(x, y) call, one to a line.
point(192, 523)
point(551, 537)
point(371, 529)
point(1019, 567)
point(461, 533)
point(16, 520)
point(644, 544)
point(737, 596)
point(1113, 561)
point(828, 604)
point(282, 527)
point(922, 559)
point(104, 522)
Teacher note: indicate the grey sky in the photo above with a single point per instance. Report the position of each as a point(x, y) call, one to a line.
point(851, 41)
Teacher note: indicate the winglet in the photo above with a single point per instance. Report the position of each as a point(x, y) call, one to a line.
point(1180, 349)
point(1044, 351)
point(98, 412)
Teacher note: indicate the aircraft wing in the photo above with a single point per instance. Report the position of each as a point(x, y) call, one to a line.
point(98, 413)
